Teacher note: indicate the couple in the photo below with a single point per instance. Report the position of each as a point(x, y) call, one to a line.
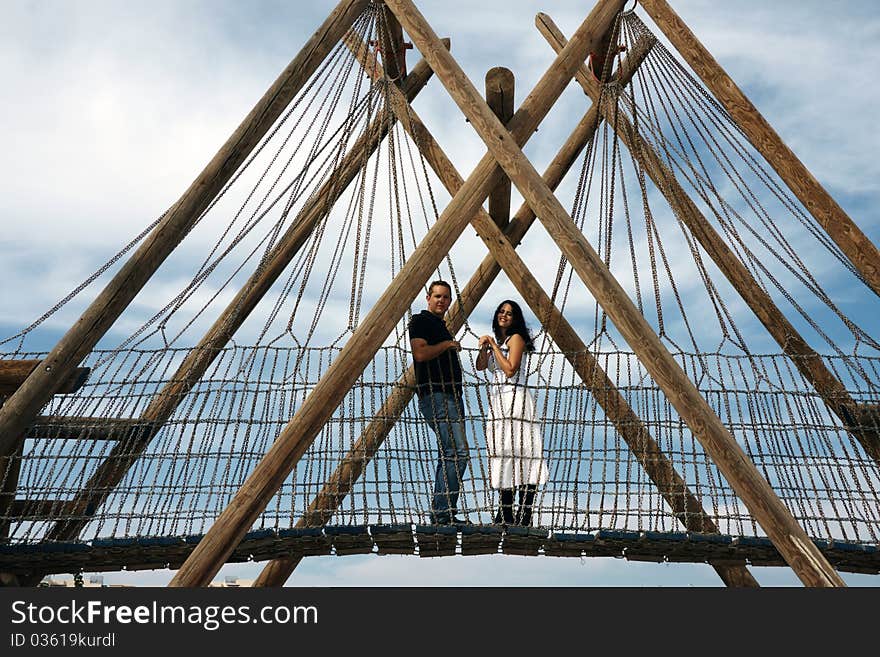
point(513, 436)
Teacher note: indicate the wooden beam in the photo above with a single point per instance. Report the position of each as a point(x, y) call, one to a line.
point(338, 485)
point(51, 427)
point(22, 407)
point(199, 359)
point(295, 438)
point(393, 47)
point(674, 490)
point(14, 372)
point(41, 509)
point(776, 520)
point(845, 233)
point(499, 96)
point(684, 504)
point(10, 468)
point(805, 359)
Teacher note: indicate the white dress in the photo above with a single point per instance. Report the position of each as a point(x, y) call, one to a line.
point(513, 429)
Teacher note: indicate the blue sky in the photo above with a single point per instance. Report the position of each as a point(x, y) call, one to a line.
point(111, 110)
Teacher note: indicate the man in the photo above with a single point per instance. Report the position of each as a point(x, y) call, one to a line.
point(438, 385)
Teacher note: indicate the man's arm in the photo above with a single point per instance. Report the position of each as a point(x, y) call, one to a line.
point(423, 351)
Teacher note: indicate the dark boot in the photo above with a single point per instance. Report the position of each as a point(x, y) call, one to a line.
point(526, 501)
point(505, 511)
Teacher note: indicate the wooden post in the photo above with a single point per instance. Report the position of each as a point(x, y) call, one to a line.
point(499, 96)
point(123, 456)
point(789, 538)
point(294, 440)
point(684, 504)
point(22, 407)
point(393, 48)
point(808, 362)
point(845, 233)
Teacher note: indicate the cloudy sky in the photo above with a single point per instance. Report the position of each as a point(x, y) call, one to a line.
point(110, 109)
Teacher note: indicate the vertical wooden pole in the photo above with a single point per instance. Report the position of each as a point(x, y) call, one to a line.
point(845, 233)
point(22, 407)
point(294, 440)
point(805, 359)
point(789, 538)
point(393, 49)
point(499, 97)
point(194, 366)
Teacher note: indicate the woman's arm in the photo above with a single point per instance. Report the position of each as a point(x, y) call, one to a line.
point(515, 348)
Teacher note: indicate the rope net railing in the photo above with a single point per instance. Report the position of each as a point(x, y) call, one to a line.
point(201, 456)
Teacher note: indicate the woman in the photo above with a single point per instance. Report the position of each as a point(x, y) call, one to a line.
point(513, 430)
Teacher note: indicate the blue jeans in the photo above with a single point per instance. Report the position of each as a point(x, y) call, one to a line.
point(444, 413)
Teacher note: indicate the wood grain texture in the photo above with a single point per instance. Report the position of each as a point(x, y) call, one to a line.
point(790, 539)
point(22, 407)
point(295, 438)
point(840, 227)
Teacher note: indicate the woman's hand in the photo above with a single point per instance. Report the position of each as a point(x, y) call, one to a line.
point(485, 344)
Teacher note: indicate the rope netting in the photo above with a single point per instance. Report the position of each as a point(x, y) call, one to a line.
point(201, 456)
point(308, 234)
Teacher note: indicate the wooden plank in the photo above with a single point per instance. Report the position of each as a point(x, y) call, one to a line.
point(805, 359)
point(14, 372)
point(22, 407)
point(839, 226)
point(791, 540)
point(361, 347)
point(200, 358)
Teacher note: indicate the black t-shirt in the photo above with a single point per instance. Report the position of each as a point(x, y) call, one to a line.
point(441, 374)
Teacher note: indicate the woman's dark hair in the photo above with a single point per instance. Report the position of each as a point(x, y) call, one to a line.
point(517, 326)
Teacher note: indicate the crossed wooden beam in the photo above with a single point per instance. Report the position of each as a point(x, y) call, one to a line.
point(504, 153)
point(685, 505)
